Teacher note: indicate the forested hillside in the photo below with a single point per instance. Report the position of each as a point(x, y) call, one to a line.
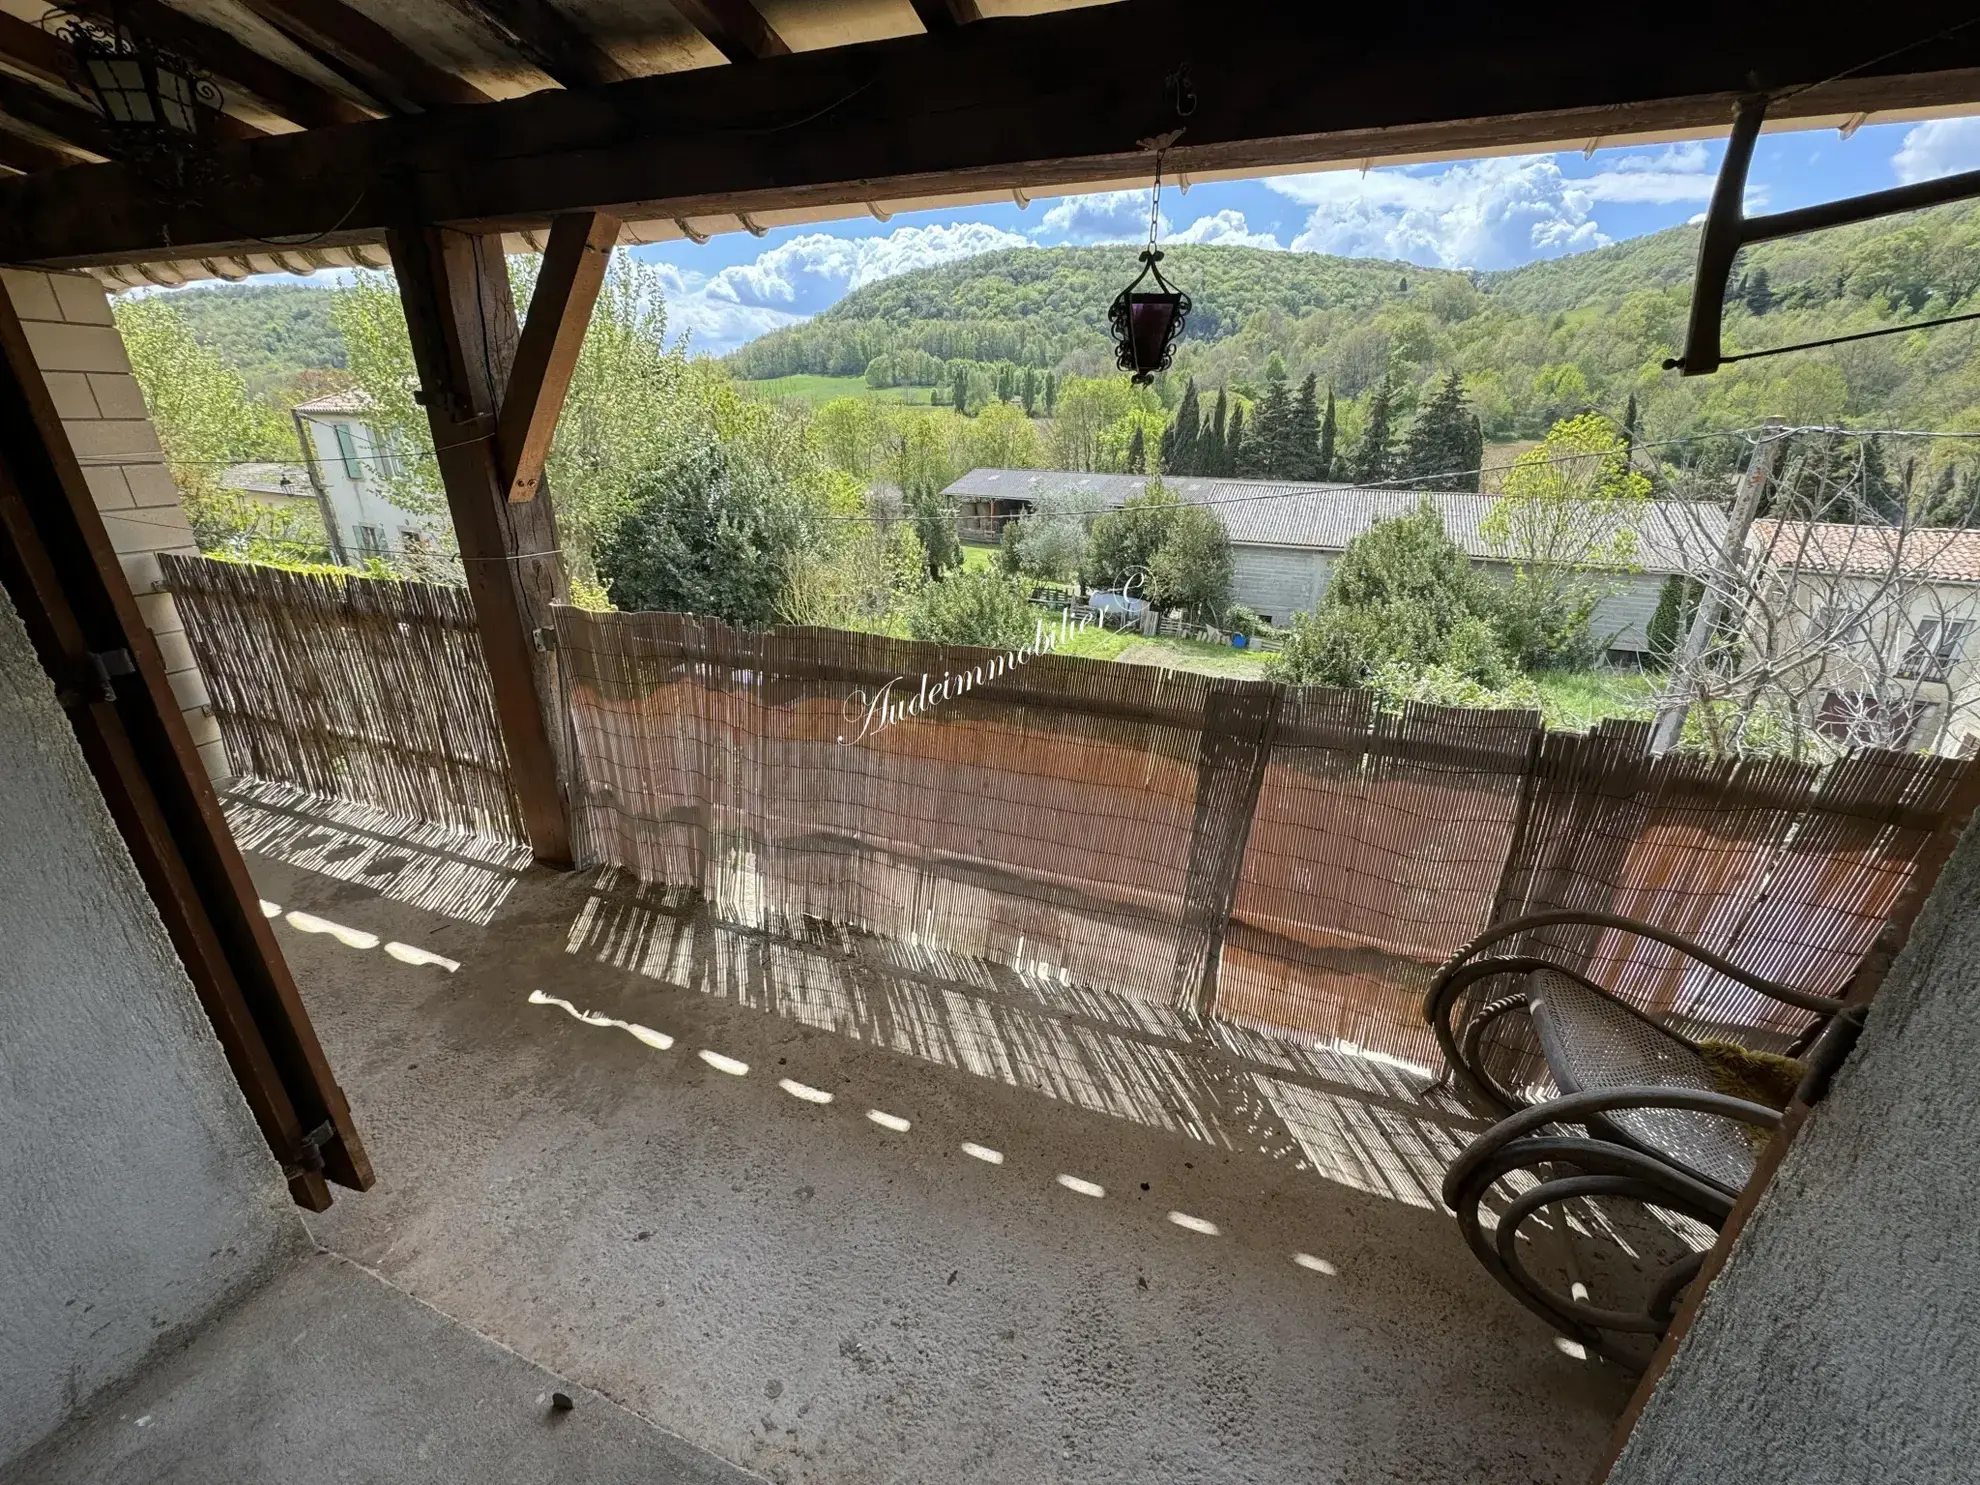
point(268, 332)
point(1533, 344)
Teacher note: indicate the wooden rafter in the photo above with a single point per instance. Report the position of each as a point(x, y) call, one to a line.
point(567, 284)
point(550, 40)
point(359, 49)
point(946, 15)
point(27, 48)
point(18, 152)
point(72, 122)
point(1032, 102)
point(735, 27)
point(237, 66)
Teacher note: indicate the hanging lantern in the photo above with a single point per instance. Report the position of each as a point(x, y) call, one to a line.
point(160, 107)
point(1147, 322)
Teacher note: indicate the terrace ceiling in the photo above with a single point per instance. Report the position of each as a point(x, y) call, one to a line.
point(348, 117)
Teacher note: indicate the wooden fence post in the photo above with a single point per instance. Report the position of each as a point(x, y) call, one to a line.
point(462, 320)
point(1240, 719)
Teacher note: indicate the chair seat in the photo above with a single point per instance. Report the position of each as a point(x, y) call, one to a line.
point(1592, 1042)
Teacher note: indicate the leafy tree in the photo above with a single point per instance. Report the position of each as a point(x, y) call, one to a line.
point(1051, 540)
point(924, 469)
point(717, 532)
point(1402, 593)
point(1374, 457)
point(1124, 540)
point(198, 403)
point(1051, 393)
point(1010, 553)
point(853, 435)
point(1567, 523)
point(1000, 437)
point(1445, 447)
point(974, 607)
point(1191, 569)
point(1030, 392)
point(1759, 293)
point(1677, 601)
point(1096, 421)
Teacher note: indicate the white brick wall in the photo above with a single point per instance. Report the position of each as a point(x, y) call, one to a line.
point(66, 317)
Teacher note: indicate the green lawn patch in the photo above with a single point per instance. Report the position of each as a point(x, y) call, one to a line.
point(818, 390)
point(1578, 699)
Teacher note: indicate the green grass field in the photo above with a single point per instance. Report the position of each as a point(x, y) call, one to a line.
point(1578, 699)
point(822, 389)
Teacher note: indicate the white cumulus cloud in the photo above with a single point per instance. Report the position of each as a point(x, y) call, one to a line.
point(1104, 216)
point(796, 279)
point(1226, 228)
point(1481, 214)
point(1938, 147)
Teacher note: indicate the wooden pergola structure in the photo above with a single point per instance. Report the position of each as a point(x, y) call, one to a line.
point(434, 134)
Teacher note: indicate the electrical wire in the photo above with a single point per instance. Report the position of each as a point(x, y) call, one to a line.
point(1810, 345)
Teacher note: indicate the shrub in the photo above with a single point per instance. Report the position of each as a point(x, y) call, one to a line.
point(1241, 620)
point(1191, 570)
point(973, 607)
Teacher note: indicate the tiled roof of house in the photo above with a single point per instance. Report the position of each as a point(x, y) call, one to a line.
point(350, 400)
point(1675, 535)
point(1934, 553)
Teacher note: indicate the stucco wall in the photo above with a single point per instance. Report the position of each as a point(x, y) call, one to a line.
point(136, 1193)
point(66, 318)
point(1840, 1343)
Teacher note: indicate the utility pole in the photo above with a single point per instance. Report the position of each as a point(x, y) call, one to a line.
point(1669, 726)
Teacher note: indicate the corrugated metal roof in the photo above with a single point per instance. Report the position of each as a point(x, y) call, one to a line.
point(1935, 553)
point(1674, 535)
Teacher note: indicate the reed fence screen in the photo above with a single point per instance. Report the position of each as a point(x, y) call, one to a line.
point(351, 688)
point(1295, 859)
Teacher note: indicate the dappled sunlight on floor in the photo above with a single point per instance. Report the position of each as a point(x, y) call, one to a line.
point(462, 876)
point(1362, 1121)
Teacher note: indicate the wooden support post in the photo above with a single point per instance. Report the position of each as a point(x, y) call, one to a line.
point(1240, 719)
point(567, 286)
point(462, 321)
point(57, 565)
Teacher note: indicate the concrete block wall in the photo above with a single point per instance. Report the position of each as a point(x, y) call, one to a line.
point(69, 328)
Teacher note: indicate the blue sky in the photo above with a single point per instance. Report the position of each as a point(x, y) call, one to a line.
point(1494, 213)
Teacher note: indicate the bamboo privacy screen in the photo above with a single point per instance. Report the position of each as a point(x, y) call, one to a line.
point(354, 688)
point(1293, 858)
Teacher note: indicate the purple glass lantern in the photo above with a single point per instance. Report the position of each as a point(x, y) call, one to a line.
point(1147, 322)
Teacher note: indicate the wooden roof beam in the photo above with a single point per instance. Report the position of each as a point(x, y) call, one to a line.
point(27, 48)
point(735, 27)
point(18, 152)
point(549, 40)
point(364, 53)
point(946, 15)
point(567, 284)
point(72, 122)
point(286, 94)
point(1038, 102)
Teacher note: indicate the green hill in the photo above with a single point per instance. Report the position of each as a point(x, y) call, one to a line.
point(1533, 343)
point(268, 332)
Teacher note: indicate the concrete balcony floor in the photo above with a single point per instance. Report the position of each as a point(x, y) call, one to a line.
point(1034, 1235)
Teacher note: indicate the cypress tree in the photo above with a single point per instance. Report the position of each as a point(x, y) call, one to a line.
point(1375, 455)
point(1051, 392)
point(1236, 444)
point(1179, 439)
point(1325, 461)
point(1210, 441)
point(959, 389)
point(1030, 391)
point(1629, 432)
point(1306, 431)
point(1137, 454)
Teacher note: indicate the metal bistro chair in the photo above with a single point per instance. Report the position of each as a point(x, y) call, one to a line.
point(1639, 1117)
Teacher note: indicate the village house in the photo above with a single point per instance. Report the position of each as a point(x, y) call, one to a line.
point(353, 467)
point(1285, 535)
